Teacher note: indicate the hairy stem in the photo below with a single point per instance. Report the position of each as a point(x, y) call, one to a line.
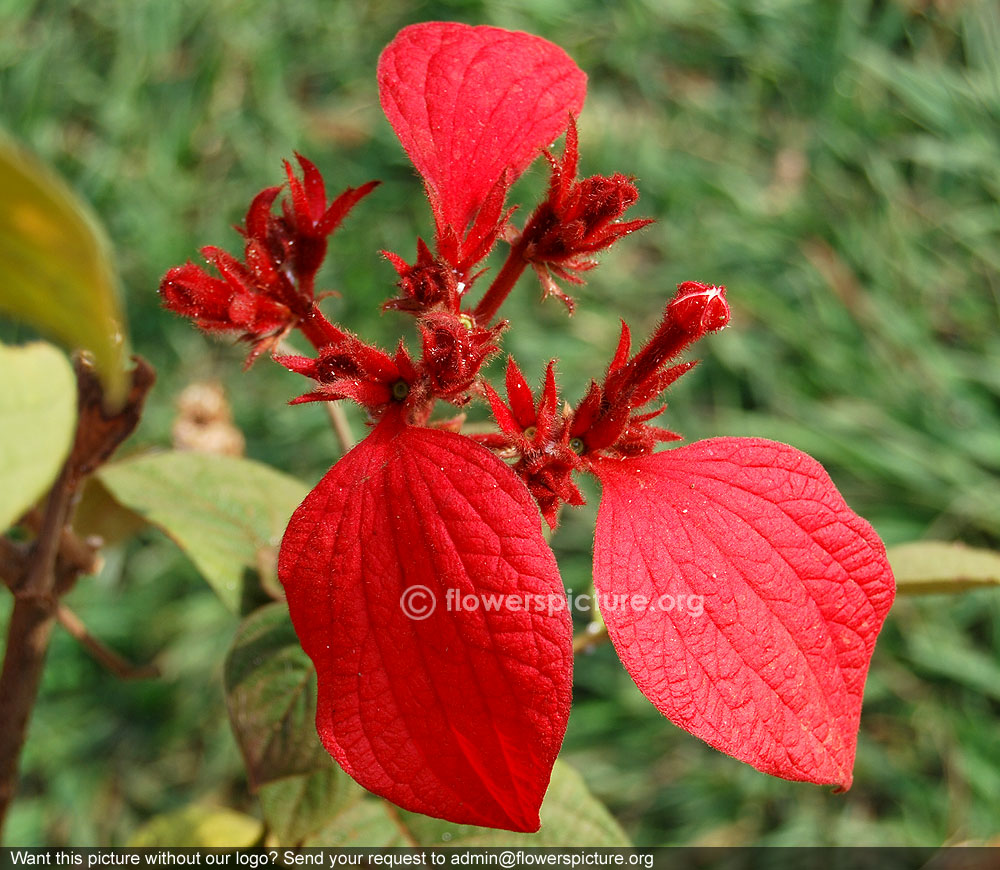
point(318, 330)
point(504, 282)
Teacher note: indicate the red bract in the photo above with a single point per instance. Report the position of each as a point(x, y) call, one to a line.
point(742, 594)
point(473, 106)
point(790, 588)
point(455, 712)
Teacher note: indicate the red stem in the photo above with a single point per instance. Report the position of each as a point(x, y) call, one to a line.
point(503, 283)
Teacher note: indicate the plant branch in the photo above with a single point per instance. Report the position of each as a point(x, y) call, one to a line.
point(47, 570)
point(118, 665)
point(341, 425)
point(13, 561)
point(27, 640)
point(335, 411)
point(39, 580)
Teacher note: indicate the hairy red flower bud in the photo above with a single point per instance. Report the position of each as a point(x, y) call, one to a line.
point(454, 350)
point(426, 285)
point(271, 291)
point(540, 438)
point(351, 369)
point(699, 308)
point(576, 220)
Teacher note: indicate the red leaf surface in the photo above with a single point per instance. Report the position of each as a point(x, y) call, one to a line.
point(469, 102)
point(795, 589)
point(459, 713)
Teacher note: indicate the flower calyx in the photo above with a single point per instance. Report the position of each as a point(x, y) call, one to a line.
point(577, 219)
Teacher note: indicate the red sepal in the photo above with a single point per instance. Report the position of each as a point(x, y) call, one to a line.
point(458, 714)
point(795, 589)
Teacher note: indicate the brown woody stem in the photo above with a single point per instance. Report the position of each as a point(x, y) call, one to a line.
point(39, 575)
point(590, 638)
point(27, 640)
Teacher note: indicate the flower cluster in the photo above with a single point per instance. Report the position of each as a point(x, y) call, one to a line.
point(272, 290)
point(460, 713)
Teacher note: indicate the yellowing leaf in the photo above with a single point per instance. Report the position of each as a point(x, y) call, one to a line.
point(55, 268)
point(37, 422)
point(927, 567)
point(199, 826)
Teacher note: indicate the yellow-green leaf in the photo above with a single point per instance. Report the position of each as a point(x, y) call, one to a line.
point(37, 422)
point(327, 808)
point(224, 512)
point(203, 827)
point(927, 567)
point(570, 815)
point(56, 271)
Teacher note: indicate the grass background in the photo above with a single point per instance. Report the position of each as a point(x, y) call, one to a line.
point(835, 164)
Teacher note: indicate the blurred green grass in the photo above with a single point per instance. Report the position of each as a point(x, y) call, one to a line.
point(835, 164)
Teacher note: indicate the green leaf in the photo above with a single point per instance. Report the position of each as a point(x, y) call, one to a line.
point(224, 512)
point(97, 513)
point(56, 271)
point(199, 826)
point(926, 567)
point(328, 808)
point(38, 410)
point(571, 816)
point(299, 806)
point(271, 695)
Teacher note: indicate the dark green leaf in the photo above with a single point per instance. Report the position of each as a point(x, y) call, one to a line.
point(271, 695)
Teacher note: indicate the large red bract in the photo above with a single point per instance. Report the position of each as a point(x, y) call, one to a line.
point(470, 102)
point(791, 588)
point(454, 711)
